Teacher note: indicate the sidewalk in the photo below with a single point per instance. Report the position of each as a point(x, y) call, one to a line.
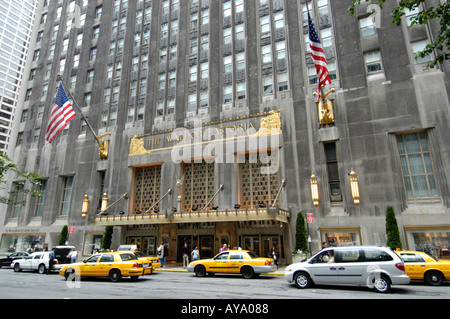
point(178, 267)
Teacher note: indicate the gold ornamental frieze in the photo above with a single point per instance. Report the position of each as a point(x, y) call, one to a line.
point(256, 125)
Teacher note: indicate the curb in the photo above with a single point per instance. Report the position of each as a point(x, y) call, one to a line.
point(185, 271)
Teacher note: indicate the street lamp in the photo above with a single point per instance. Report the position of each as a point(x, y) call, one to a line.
point(354, 186)
point(85, 207)
point(314, 189)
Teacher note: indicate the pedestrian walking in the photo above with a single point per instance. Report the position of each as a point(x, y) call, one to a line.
point(185, 252)
point(195, 254)
point(224, 248)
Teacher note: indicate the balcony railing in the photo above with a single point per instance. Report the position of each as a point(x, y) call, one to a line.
point(253, 214)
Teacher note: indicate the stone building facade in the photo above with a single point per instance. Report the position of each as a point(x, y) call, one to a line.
point(213, 131)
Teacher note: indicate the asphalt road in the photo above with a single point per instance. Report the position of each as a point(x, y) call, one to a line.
point(185, 286)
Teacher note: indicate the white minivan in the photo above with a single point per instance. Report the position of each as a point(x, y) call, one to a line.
point(372, 266)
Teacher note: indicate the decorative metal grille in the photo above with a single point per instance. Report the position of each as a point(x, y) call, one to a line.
point(258, 190)
point(198, 185)
point(147, 187)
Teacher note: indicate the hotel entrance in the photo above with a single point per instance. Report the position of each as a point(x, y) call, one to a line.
point(261, 244)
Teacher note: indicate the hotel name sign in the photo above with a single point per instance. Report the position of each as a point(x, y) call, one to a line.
point(257, 125)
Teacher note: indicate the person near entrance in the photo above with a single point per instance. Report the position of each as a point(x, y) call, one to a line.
point(195, 254)
point(51, 261)
point(274, 254)
point(161, 254)
point(185, 253)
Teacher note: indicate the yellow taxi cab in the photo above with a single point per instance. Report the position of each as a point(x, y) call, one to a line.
point(242, 262)
point(134, 249)
point(114, 265)
point(421, 266)
point(154, 260)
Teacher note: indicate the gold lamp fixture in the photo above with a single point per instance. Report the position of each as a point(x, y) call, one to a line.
point(314, 189)
point(85, 207)
point(104, 203)
point(354, 186)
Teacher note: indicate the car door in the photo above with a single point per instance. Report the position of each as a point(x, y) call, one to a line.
point(220, 263)
point(323, 269)
point(35, 262)
point(90, 267)
point(235, 262)
point(350, 265)
point(26, 263)
point(415, 265)
point(105, 264)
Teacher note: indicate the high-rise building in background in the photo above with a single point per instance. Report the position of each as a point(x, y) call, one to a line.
point(154, 83)
point(16, 24)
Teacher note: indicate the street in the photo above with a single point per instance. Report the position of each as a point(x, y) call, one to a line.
point(163, 284)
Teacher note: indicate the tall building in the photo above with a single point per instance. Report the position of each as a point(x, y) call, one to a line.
point(209, 131)
point(16, 23)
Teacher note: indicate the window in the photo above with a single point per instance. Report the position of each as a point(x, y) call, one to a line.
point(418, 47)
point(367, 26)
point(41, 199)
point(227, 64)
point(266, 52)
point(265, 24)
point(348, 256)
point(268, 85)
point(333, 172)
point(411, 14)
point(417, 167)
point(373, 61)
point(227, 94)
point(67, 194)
point(283, 82)
point(240, 91)
point(412, 258)
point(18, 196)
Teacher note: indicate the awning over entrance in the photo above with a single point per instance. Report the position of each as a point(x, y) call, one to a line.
point(236, 215)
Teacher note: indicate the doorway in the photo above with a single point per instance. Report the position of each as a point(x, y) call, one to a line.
point(261, 244)
point(206, 246)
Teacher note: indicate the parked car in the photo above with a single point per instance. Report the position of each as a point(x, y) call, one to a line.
point(421, 266)
point(242, 262)
point(6, 261)
point(372, 266)
point(40, 260)
point(114, 265)
point(133, 248)
point(35, 261)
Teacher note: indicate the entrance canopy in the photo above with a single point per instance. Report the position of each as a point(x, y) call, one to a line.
point(271, 213)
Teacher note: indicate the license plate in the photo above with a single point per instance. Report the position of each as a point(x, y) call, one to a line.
point(146, 265)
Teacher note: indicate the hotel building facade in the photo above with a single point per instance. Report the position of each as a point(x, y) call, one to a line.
point(209, 131)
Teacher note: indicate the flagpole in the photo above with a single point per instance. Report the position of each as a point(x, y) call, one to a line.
point(78, 108)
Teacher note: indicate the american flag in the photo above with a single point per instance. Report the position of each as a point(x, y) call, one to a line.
point(318, 55)
point(62, 113)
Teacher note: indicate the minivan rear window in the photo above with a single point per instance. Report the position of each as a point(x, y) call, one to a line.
point(374, 255)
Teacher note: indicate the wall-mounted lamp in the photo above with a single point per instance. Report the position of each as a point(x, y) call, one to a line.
point(354, 186)
point(104, 207)
point(314, 189)
point(85, 207)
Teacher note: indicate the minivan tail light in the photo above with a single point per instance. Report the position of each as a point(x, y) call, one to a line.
point(400, 266)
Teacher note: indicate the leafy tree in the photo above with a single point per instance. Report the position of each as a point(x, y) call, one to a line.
point(392, 232)
point(107, 236)
point(64, 235)
point(441, 42)
point(20, 177)
point(301, 242)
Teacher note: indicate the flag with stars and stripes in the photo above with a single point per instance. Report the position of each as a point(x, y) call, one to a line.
point(62, 114)
point(318, 55)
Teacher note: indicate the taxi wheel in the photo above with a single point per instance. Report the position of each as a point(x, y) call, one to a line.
point(200, 271)
point(115, 275)
point(434, 278)
point(247, 272)
point(68, 273)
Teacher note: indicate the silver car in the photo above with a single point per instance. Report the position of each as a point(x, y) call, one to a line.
point(372, 266)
